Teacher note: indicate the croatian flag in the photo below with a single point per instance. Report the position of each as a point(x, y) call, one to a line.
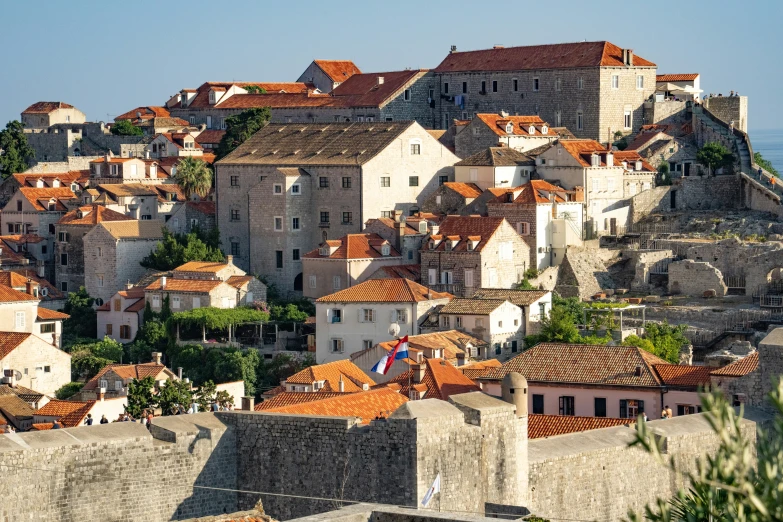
point(435, 488)
point(400, 351)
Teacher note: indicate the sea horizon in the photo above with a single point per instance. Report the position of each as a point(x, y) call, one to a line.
point(769, 142)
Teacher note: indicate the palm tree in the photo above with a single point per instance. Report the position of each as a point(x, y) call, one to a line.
point(194, 177)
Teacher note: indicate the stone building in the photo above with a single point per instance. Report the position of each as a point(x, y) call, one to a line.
point(535, 304)
point(452, 197)
point(141, 201)
point(326, 75)
point(191, 216)
point(657, 147)
point(114, 378)
point(34, 362)
point(593, 88)
point(468, 252)
point(405, 234)
point(76, 180)
point(357, 318)
point(498, 322)
point(178, 144)
point(42, 115)
point(495, 167)
point(21, 311)
point(289, 188)
point(728, 109)
point(521, 133)
point(112, 253)
point(69, 232)
point(549, 218)
point(25, 279)
point(345, 262)
point(683, 86)
point(153, 120)
point(120, 317)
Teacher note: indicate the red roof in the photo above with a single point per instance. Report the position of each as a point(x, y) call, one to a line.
point(468, 190)
point(17, 279)
point(338, 70)
point(533, 192)
point(355, 246)
point(384, 291)
point(10, 340)
point(46, 107)
point(290, 398)
point(555, 56)
point(210, 136)
point(205, 207)
point(363, 90)
point(739, 368)
point(44, 314)
point(683, 376)
point(476, 228)
point(520, 125)
point(441, 380)
point(27, 179)
point(331, 374)
point(540, 426)
point(9, 295)
point(676, 77)
point(91, 215)
point(582, 151)
point(39, 196)
point(368, 405)
point(69, 413)
point(144, 113)
point(126, 371)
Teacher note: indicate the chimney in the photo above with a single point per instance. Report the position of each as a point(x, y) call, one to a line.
point(146, 154)
point(341, 385)
point(435, 230)
point(629, 57)
point(418, 372)
point(248, 403)
point(429, 294)
point(30, 287)
point(503, 114)
point(108, 156)
point(229, 260)
point(101, 394)
point(498, 46)
point(157, 357)
point(179, 372)
point(128, 285)
point(400, 226)
point(163, 283)
point(397, 216)
point(138, 114)
point(380, 80)
point(453, 49)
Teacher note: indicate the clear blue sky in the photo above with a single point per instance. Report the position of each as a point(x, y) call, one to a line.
point(107, 57)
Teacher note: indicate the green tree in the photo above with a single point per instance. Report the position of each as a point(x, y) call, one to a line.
point(668, 340)
point(15, 153)
point(559, 327)
point(125, 128)
point(240, 127)
point(733, 483)
point(67, 391)
point(177, 249)
point(87, 359)
point(255, 89)
point(194, 177)
point(270, 372)
point(206, 395)
point(664, 178)
point(83, 320)
point(140, 396)
point(525, 285)
point(759, 160)
point(287, 313)
point(715, 156)
point(174, 394)
point(223, 398)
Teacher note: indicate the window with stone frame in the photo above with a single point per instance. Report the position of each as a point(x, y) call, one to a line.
point(125, 333)
point(445, 87)
point(296, 256)
point(295, 223)
point(346, 182)
point(347, 218)
point(413, 181)
point(494, 86)
point(234, 181)
point(536, 84)
point(580, 83)
point(464, 87)
point(47, 328)
point(235, 249)
point(640, 81)
point(442, 180)
point(277, 189)
point(337, 346)
point(312, 281)
point(323, 182)
point(367, 315)
point(324, 217)
point(234, 214)
point(296, 189)
point(580, 120)
point(406, 95)
point(631, 408)
point(278, 223)
point(385, 181)
point(615, 81)
point(415, 148)
point(109, 331)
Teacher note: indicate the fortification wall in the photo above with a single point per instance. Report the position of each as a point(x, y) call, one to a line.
point(725, 192)
point(757, 196)
point(728, 109)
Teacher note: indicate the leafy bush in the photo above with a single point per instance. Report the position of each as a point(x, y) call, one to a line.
point(177, 249)
point(125, 128)
point(531, 273)
point(759, 160)
point(68, 390)
point(525, 285)
point(83, 321)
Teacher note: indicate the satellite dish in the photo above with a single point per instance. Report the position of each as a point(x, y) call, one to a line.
point(17, 375)
point(394, 329)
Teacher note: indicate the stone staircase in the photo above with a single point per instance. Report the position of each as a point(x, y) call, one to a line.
point(736, 140)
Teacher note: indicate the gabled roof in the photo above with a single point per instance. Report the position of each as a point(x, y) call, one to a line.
point(683, 376)
point(412, 272)
point(338, 70)
point(740, 368)
point(332, 373)
point(29, 179)
point(384, 291)
point(631, 156)
point(540, 426)
point(518, 297)
point(363, 90)
point(69, 413)
point(46, 107)
point(467, 228)
point(210, 136)
point(201, 100)
point(9, 341)
point(355, 246)
point(452, 342)
point(441, 380)
point(676, 77)
point(134, 229)
point(16, 406)
point(39, 197)
point(207, 267)
point(290, 398)
point(205, 207)
point(478, 369)
point(532, 193)
point(126, 371)
point(44, 314)
point(238, 281)
point(464, 306)
point(583, 364)
point(145, 113)
point(582, 151)
point(289, 144)
point(91, 215)
point(26, 394)
point(128, 189)
point(9, 295)
point(497, 157)
point(17, 279)
point(409, 230)
point(198, 286)
point(642, 139)
point(520, 125)
point(367, 405)
point(555, 56)
point(466, 190)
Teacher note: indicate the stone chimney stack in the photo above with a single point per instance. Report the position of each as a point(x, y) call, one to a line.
point(163, 283)
point(341, 385)
point(101, 394)
point(453, 49)
point(157, 357)
point(629, 57)
point(179, 373)
point(418, 372)
point(248, 403)
point(229, 259)
point(30, 287)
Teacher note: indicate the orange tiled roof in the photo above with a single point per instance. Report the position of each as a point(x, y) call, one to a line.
point(46, 107)
point(10, 340)
point(290, 398)
point(409, 229)
point(533, 192)
point(144, 113)
point(468, 190)
point(744, 366)
point(683, 376)
point(676, 77)
point(478, 369)
point(451, 342)
point(28, 179)
point(384, 291)
point(44, 314)
point(412, 272)
point(239, 281)
point(91, 215)
point(556, 56)
point(211, 267)
point(200, 286)
point(465, 226)
point(8, 295)
point(540, 426)
point(520, 125)
point(642, 139)
point(631, 156)
point(362, 90)
point(441, 380)
point(210, 136)
point(205, 207)
point(36, 195)
point(579, 148)
point(356, 246)
point(42, 426)
point(583, 364)
point(126, 371)
point(331, 373)
point(366, 405)
point(14, 405)
point(338, 70)
point(69, 413)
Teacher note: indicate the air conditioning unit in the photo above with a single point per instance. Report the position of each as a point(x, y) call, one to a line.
point(7, 380)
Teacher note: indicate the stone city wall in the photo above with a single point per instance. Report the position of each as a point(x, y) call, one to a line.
point(730, 108)
point(694, 278)
point(668, 112)
point(725, 192)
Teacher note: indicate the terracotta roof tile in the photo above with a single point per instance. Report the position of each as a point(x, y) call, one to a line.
point(356, 246)
point(441, 380)
point(520, 125)
point(462, 306)
point(556, 56)
point(452, 342)
point(210, 136)
point(134, 229)
point(384, 291)
point(211, 267)
point(205, 207)
point(467, 190)
point(540, 426)
point(29, 179)
point(331, 373)
point(128, 189)
point(46, 107)
point(363, 90)
point(683, 376)
point(200, 286)
point(9, 295)
point(69, 413)
point(534, 192)
point(367, 405)
point(37, 195)
point(290, 398)
point(642, 139)
point(583, 364)
point(411, 224)
point(497, 157)
point(17, 279)
point(91, 215)
point(518, 297)
point(44, 314)
point(147, 113)
point(338, 70)
point(126, 371)
point(412, 272)
point(739, 368)
point(464, 226)
point(676, 77)
point(478, 369)
point(16, 406)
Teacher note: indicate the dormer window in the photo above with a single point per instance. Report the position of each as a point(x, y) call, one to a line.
point(324, 251)
point(385, 250)
point(39, 183)
point(422, 227)
point(638, 165)
point(52, 205)
point(531, 129)
point(625, 165)
point(74, 187)
point(509, 128)
point(471, 245)
point(595, 160)
point(211, 96)
point(432, 245)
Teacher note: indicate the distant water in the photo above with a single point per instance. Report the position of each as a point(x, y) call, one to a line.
point(770, 144)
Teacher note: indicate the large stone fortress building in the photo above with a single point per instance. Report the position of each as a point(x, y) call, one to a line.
point(593, 88)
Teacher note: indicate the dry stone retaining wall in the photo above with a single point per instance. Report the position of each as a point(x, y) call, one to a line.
point(694, 278)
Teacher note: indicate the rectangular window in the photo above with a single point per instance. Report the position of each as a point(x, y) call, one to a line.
point(346, 182)
point(464, 87)
point(64, 286)
point(415, 149)
point(109, 331)
point(313, 281)
point(20, 320)
point(325, 218)
point(458, 322)
point(156, 301)
point(536, 84)
point(367, 315)
point(336, 282)
point(494, 86)
point(296, 255)
point(406, 95)
point(278, 223)
point(615, 81)
point(446, 88)
point(567, 405)
point(347, 218)
point(196, 302)
point(99, 252)
point(580, 123)
point(234, 181)
point(279, 258)
point(413, 181)
point(542, 310)
point(234, 214)
point(323, 182)
point(631, 408)
point(610, 184)
point(446, 321)
point(473, 174)
point(367, 344)
point(515, 85)
point(640, 82)
point(385, 181)
point(175, 302)
point(523, 229)
point(99, 278)
point(432, 276)
point(600, 407)
point(278, 188)
point(469, 278)
point(580, 83)
point(296, 189)
point(64, 259)
point(627, 119)
point(387, 213)
point(442, 180)
point(401, 315)
point(47, 328)
point(538, 404)
point(558, 84)
point(295, 223)
point(337, 346)
point(235, 248)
